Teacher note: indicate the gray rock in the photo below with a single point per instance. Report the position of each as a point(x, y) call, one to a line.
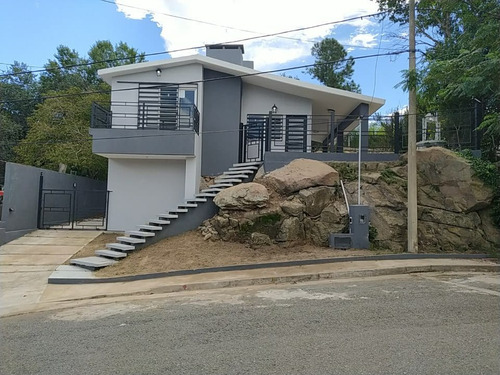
point(292, 207)
point(301, 174)
point(291, 230)
point(316, 199)
point(242, 197)
point(259, 240)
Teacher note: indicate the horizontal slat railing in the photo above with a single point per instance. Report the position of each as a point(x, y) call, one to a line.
point(146, 115)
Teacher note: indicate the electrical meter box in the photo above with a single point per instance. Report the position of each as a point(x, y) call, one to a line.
point(359, 224)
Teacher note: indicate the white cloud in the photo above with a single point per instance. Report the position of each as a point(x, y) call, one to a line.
point(257, 17)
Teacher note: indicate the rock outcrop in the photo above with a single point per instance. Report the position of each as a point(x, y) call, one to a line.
point(301, 174)
point(244, 197)
point(453, 205)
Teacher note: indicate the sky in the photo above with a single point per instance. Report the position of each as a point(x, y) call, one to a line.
point(31, 30)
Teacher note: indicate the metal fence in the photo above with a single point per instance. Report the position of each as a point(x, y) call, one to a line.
point(145, 115)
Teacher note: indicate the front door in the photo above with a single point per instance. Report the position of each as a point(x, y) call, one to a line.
point(296, 133)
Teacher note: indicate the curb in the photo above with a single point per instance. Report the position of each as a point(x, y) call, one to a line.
point(53, 279)
point(274, 280)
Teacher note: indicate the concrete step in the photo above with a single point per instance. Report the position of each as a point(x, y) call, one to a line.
point(188, 205)
point(250, 163)
point(131, 239)
point(245, 168)
point(150, 228)
point(169, 216)
point(199, 200)
point(93, 263)
point(212, 190)
point(140, 233)
point(120, 246)
point(179, 210)
point(222, 185)
point(110, 254)
point(241, 171)
point(223, 180)
point(159, 222)
point(225, 177)
point(209, 195)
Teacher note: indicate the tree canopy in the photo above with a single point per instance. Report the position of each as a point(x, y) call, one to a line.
point(332, 66)
point(48, 116)
point(460, 67)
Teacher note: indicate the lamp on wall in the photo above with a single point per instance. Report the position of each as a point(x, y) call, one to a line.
point(274, 109)
point(158, 72)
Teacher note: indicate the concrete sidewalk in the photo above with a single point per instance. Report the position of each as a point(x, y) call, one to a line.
point(27, 263)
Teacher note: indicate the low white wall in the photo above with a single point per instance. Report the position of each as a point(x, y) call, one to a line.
point(141, 189)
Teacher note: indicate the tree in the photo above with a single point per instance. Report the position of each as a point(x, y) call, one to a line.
point(332, 66)
point(69, 70)
point(59, 134)
point(461, 58)
point(18, 99)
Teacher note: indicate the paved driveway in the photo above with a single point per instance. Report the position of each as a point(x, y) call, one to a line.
point(27, 262)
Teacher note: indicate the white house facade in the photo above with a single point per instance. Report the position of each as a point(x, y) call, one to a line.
point(172, 121)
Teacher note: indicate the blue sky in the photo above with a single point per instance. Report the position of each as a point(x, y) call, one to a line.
point(31, 30)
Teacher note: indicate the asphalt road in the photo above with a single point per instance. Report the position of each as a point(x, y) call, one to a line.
point(411, 324)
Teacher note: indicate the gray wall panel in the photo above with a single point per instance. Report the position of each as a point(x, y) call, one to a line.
point(20, 206)
point(142, 142)
point(221, 119)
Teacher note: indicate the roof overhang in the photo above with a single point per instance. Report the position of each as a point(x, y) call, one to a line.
point(323, 98)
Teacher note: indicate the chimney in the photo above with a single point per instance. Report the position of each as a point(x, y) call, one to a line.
point(232, 53)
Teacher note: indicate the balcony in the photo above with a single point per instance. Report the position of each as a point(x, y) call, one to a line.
point(143, 129)
point(145, 115)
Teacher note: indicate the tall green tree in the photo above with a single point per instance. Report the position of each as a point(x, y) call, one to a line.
point(68, 69)
point(19, 95)
point(57, 132)
point(332, 66)
point(59, 135)
point(460, 58)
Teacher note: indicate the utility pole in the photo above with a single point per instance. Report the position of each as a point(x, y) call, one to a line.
point(412, 140)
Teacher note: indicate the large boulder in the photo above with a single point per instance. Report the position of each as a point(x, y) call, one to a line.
point(291, 230)
point(447, 181)
point(316, 199)
point(301, 174)
point(242, 197)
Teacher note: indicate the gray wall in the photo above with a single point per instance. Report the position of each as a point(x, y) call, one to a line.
point(221, 119)
point(20, 205)
point(142, 142)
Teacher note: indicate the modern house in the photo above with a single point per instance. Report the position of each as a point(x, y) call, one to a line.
point(173, 121)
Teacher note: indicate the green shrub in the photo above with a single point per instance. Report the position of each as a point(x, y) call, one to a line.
point(488, 173)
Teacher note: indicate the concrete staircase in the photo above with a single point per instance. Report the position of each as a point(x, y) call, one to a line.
point(187, 216)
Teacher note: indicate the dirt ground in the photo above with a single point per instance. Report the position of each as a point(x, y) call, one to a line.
point(191, 251)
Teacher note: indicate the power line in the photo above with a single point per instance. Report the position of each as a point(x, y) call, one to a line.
point(193, 48)
point(192, 19)
point(208, 79)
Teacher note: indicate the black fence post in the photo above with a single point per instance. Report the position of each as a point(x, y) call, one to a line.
point(397, 133)
point(73, 209)
point(40, 200)
point(240, 139)
point(332, 131)
point(268, 131)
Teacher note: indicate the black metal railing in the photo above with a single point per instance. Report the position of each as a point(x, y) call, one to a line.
point(146, 115)
point(385, 134)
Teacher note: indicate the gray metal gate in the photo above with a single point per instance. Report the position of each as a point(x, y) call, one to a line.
point(73, 209)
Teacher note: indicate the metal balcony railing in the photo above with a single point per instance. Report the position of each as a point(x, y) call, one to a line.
point(145, 115)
